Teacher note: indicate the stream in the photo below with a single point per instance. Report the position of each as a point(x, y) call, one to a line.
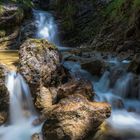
point(122, 94)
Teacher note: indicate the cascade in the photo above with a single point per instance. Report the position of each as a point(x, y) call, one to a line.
point(22, 112)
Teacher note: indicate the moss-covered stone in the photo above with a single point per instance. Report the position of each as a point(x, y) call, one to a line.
point(39, 61)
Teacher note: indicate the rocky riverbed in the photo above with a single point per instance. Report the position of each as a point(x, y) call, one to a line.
point(66, 93)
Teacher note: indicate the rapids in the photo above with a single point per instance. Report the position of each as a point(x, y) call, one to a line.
point(125, 118)
point(122, 95)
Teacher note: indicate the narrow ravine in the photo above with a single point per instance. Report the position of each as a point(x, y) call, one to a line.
point(124, 121)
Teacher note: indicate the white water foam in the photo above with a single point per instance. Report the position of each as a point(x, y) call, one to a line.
point(22, 112)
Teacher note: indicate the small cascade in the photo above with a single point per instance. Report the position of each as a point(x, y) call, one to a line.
point(47, 28)
point(20, 97)
point(121, 92)
point(22, 112)
point(124, 98)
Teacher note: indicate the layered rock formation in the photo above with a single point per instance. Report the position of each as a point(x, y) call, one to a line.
point(11, 17)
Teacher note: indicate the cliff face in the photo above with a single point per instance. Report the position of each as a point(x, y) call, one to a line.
point(121, 29)
point(102, 24)
point(79, 20)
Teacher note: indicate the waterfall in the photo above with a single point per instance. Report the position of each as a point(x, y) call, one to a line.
point(47, 28)
point(22, 112)
point(124, 98)
point(20, 98)
point(122, 95)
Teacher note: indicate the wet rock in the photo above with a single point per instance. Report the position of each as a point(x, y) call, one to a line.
point(48, 97)
point(3, 117)
point(36, 136)
point(4, 95)
point(44, 99)
point(115, 74)
point(39, 63)
point(95, 67)
point(28, 29)
point(118, 104)
point(75, 118)
point(134, 66)
point(75, 87)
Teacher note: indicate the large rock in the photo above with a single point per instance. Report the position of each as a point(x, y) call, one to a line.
point(4, 96)
point(95, 67)
point(47, 97)
point(36, 136)
point(39, 63)
point(73, 87)
point(75, 118)
point(44, 99)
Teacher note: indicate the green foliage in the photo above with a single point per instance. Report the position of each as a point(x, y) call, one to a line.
point(24, 3)
point(114, 8)
point(67, 9)
point(136, 4)
point(27, 3)
point(1, 10)
point(2, 33)
point(68, 14)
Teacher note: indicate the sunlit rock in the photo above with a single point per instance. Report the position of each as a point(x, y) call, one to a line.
point(36, 136)
point(75, 118)
point(39, 61)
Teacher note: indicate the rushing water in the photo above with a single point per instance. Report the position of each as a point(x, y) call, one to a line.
point(122, 95)
point(22, 112)
point(47, 28)
point(120, 92)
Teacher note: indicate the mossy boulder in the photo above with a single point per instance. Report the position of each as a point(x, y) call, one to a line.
point(39, 62)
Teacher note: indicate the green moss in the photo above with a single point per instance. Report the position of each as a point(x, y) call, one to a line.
point(114, 8)
point(67, 10)
point(42, 43)
point(136, 4)
point(1, 10)
point(2, 33)
point(24, 3)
